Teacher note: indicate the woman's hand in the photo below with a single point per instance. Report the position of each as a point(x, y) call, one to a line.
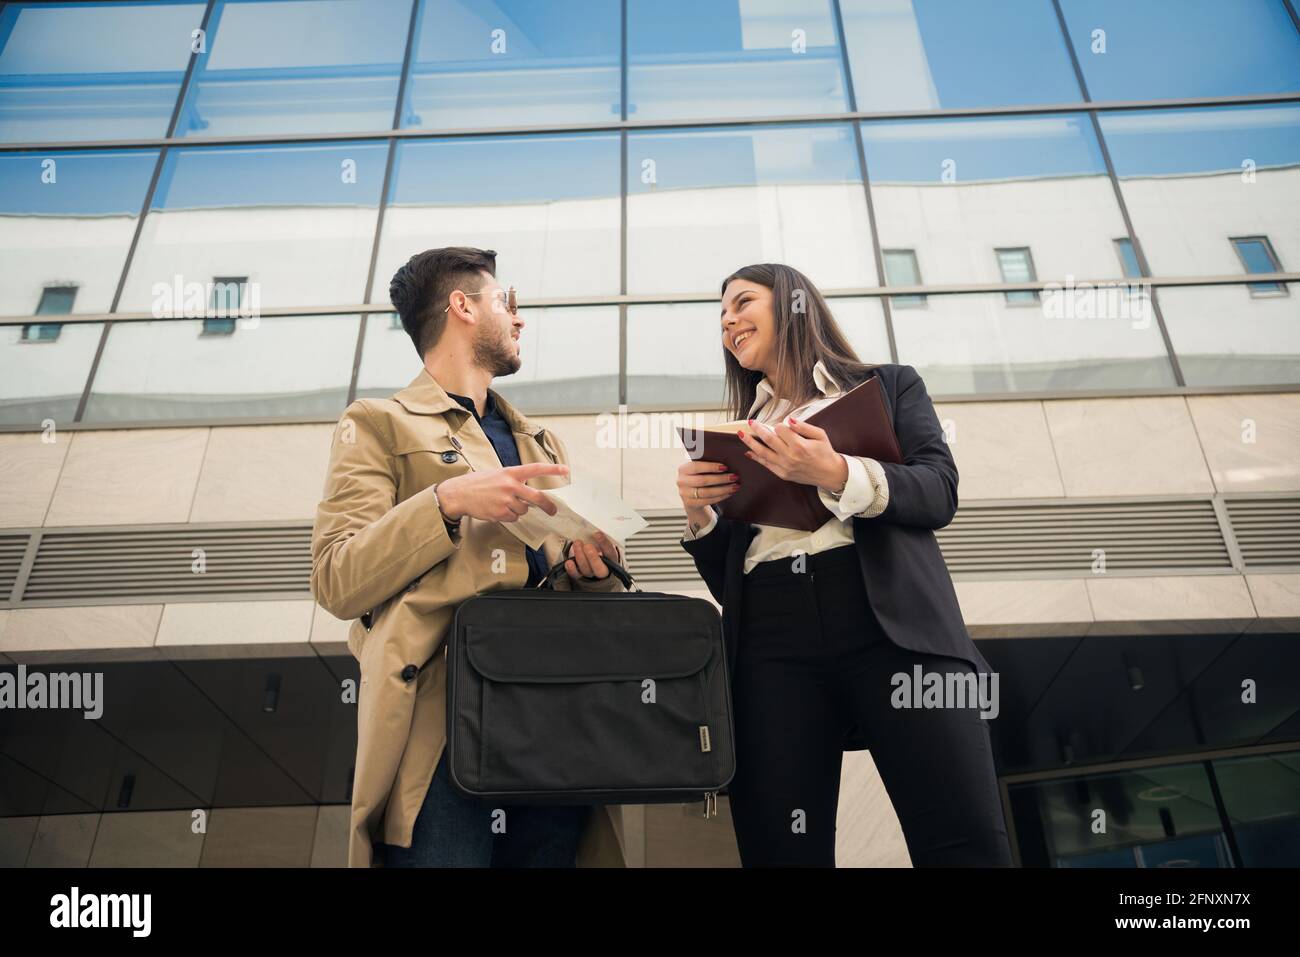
point(587, 560)
point(701, 484)
point(798, 452)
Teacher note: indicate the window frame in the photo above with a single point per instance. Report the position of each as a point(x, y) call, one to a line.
point(1260, 290)
point(1034, 298)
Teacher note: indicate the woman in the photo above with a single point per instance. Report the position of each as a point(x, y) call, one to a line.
point(824, 627)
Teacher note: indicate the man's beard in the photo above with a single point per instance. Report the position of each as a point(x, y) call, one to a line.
point(496, 353)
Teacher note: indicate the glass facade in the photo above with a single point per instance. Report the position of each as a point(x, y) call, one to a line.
point(623, 157)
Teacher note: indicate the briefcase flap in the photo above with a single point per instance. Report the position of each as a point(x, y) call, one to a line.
point(531, 653)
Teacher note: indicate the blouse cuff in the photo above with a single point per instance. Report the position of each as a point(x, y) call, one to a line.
point(865, 494)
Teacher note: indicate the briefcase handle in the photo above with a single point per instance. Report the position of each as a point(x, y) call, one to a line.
point(615, 569)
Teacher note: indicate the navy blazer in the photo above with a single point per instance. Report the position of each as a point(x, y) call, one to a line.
point(906, 579)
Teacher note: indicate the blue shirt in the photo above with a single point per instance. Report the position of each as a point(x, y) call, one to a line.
point(497, 429)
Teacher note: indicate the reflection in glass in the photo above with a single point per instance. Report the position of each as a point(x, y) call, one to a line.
point(949, 54)
point(901, 269)
point(1183, 48)
point(702, 203)
point(43, 378)
point(66, 219)
point(1155, 817)
point(732, 58)
point(1192, 179)
point(1223, 335)
point(1128, 258)
point(297, 221)
point(92, 71)
point(547, 204)
point(569, 360)
point(1017, 265)
point(1261, 795)
point(982, 344)
point(675, 351)
point(259, 76)
point(1256, 255)
point(955, 190)
point(262, 368)
point(514, 62)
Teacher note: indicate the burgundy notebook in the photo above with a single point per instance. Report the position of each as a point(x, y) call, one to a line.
point(857, 423)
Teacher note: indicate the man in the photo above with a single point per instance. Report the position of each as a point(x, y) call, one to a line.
point(413, 521)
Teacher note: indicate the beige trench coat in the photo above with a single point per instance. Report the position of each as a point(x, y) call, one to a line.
point(380, 552)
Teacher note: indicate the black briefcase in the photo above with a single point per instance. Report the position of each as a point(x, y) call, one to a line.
point(570, 697)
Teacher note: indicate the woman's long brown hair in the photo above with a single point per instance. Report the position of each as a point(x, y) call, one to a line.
point(802, 340)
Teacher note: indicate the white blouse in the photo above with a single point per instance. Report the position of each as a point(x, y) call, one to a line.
point(865, 494)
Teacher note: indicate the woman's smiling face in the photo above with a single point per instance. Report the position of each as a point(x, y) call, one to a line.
point(748, 323)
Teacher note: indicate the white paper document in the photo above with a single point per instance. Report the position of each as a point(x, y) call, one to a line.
point(585, 506)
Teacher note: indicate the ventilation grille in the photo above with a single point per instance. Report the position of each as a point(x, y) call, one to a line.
point(1069, 538)
point(1267, 531)
point(1058, 539)
point(12, 549)
point(655, 555)
point(91, 565)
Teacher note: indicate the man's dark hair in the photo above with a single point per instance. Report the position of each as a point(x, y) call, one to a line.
point(420, 289)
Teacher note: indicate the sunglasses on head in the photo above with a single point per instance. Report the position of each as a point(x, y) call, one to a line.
point(511, 300)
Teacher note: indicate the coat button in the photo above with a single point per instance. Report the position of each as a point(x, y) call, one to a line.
point(449, 457)
point(409, 673)
point(455, 441)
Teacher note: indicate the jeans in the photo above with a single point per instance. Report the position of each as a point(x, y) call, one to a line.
point(452, 830)
point(811, 662)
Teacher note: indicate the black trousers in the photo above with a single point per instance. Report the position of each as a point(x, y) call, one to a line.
point(811, 661)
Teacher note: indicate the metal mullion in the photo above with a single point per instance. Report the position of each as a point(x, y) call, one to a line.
point(647, 299)
point(876, 250)
point(783, 119)
point(622, 260)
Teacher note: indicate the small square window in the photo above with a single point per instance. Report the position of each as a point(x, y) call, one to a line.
point(56, 300)
point(218, 327)
point(42, 332)
point(395, 322)
point(901, 269)
point(228, 294)
point(1128, 258)
point(1017, 265)
point(1257, 255)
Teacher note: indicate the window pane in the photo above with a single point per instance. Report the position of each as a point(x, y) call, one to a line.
point(675, 351)
point(569, 360)
point(703, 203)
point(547, 204)
point(932, 54)
point(956, 190)
point(67, 219)
point(92, 71)
point(728, 58)
point(965, 344)
point(1261, 795)
point(901, 270)
point(1170, 815)
point(1255, 255)
point(1184, 48)
point(298, 221)
point(514, 62)
point(44, 379)
point(1194, 178)
point(260, 76)
point(266, 367)
point(1224, 336)
point(57, 301)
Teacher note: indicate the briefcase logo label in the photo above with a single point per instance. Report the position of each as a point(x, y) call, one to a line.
point(705, 743)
